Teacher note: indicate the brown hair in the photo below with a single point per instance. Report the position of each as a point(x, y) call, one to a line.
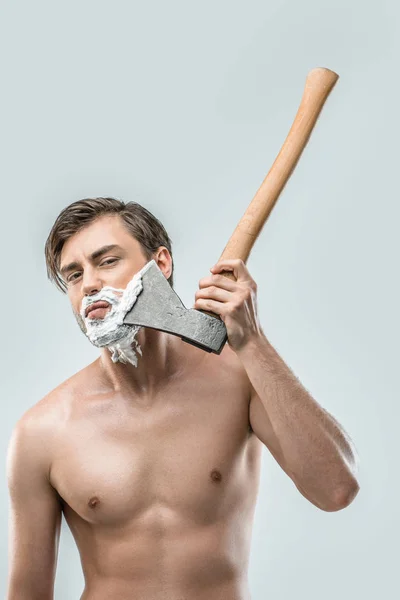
point(141, 223)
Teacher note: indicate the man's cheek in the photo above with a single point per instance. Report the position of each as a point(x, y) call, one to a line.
point(80, 322)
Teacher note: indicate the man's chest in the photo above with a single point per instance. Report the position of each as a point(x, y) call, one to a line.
point(188, 452)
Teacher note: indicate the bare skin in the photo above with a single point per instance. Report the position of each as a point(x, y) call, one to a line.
point(155, 467)
point(159, 489)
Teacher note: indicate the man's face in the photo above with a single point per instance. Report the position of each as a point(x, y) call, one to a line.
point(98, 263)
point(114, 267)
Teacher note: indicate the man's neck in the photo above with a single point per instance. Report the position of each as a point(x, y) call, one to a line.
point(163, 357)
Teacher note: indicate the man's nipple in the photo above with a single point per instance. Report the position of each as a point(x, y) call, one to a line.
point(93, 502)
point(216, 475)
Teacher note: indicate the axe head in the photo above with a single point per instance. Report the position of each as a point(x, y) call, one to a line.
point(159, 307)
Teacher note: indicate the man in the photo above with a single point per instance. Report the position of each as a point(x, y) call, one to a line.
point(155, 460)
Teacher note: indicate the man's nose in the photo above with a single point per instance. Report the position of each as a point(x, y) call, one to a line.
point(91, 292)
point(91, 283)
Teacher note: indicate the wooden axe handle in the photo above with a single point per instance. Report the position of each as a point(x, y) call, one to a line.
point(319, 83)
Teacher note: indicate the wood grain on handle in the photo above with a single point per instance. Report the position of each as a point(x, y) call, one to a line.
point(319, 83)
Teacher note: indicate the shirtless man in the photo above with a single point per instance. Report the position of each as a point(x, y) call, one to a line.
point(156, 466)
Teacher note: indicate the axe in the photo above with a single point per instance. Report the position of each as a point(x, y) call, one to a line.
point(159, 307)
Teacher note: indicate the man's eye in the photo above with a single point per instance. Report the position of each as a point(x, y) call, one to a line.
point(108, 261)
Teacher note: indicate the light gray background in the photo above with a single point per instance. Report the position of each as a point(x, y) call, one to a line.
point(183, 106)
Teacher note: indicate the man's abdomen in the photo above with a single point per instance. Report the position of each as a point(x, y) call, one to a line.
point(171, 562)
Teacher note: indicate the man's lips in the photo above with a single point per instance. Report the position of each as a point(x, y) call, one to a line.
point(96, 309)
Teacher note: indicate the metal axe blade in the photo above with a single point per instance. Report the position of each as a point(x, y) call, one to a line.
point(158, 306)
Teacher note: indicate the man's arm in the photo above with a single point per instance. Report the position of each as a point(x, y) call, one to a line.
point(35, 515)
point(307, 442)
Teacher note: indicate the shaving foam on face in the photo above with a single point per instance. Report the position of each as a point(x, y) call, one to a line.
point(110, 331)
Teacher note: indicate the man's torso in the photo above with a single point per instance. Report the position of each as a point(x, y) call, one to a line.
point(159, 493)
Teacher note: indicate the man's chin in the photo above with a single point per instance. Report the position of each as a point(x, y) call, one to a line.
point(123, 334)
point(100, 335)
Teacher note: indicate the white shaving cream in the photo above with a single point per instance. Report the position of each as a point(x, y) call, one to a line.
point(110, 331)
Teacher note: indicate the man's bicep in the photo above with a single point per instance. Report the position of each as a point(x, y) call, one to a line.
point(34, 518)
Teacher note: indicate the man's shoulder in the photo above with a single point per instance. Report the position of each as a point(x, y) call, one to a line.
point(230, 359)
point(46, 411)
point(228, 364)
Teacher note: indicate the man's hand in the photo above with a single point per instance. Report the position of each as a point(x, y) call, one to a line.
point(234, 301)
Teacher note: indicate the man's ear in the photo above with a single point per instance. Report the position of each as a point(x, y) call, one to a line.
point(164, 261)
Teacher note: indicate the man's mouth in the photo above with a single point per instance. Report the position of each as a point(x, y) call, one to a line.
point(97, 310)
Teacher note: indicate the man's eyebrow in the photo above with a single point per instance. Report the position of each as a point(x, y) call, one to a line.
point(93, 256)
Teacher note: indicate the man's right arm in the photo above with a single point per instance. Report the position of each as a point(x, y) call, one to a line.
point(35, 516)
